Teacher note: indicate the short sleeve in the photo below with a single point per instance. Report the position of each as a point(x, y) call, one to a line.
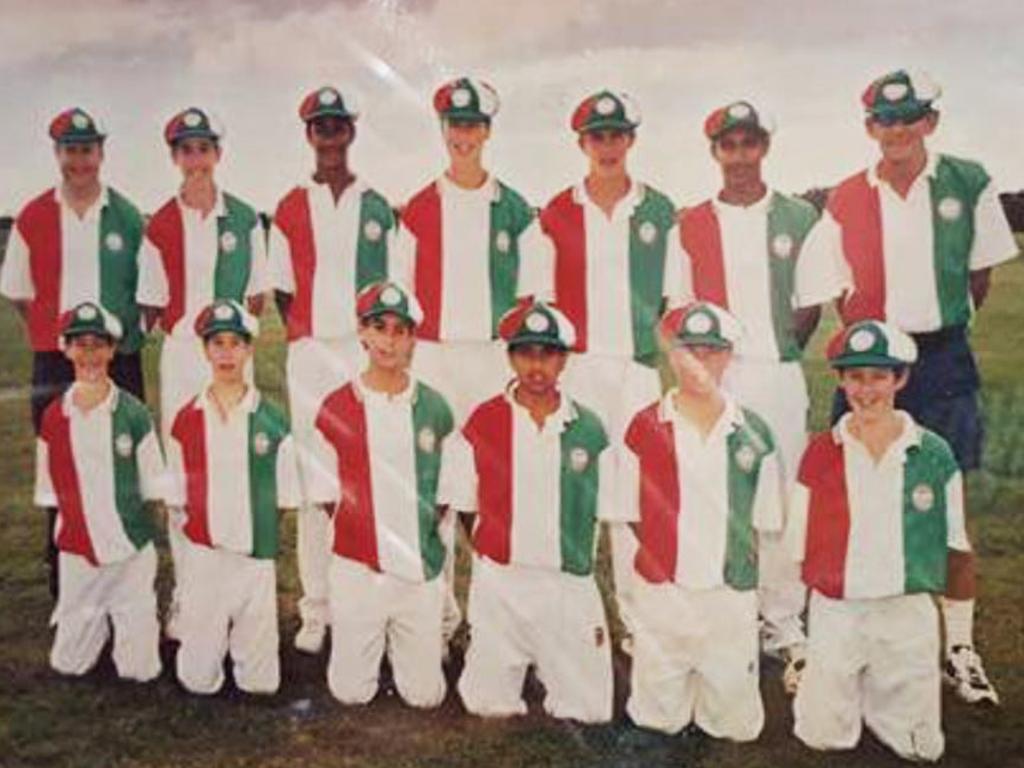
point(795, 534)
point(44, 494)
point(318, 465)
point(279, 262)
point(150, 463)
point(152, 290)
point(678, 281)
point(994, 242)
point(289, 491)
point(536, 263)
point(956, 528)
point(821, 271)
point(457, 487)
point(175, 479)
point(402, 259)
point(15, 272)
point(626, 486)
point(259, 275)
point(769, 501)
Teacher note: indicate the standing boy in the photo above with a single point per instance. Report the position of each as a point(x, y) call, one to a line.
point(232, 468)
point(383, 435)
point(98, 462)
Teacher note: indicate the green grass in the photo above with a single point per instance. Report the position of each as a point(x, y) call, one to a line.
point(97, 721)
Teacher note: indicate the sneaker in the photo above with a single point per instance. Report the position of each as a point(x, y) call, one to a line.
point(964, 673)
point(310, 637)
point(796, 659)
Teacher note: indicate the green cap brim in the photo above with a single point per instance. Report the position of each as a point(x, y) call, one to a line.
point(530, 339)
point(913, 110)
point(867, 360)
point(214, 328)
point(90, 332)
point(404, 316)
point(695, 340)
point(95, 138)
point(466, 117)
point(195, 133)
point(331, 112)
point(608, 124)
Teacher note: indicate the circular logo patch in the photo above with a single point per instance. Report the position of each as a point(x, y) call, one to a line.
point(745, 458)
point(739, 111)
point(123, 444)
point(950, 208)
point(537, 322)
point(699, 324)
point(895, 91)
point(80, 121)
point(328, 97)
point(782, 246)
point(114, 242)
point(261, 443)
point(605, 106)
point(923, 497)
point(88, 312)
point(426, 440)
point(192, 119)
point(390, 296)
point(228, 242)
point(502, 241)
point(373, 230)
point(862, 341)
point(648, 232)
point(461, 97)
point(223, 312)
point(579, 459)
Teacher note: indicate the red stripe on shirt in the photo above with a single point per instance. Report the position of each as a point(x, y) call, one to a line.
point(189, 430)
point(40, 228)
point(422, 217)
point(563, 221)
point(856, 206)
point(73, 535)
point(489, 433)
point(295, 221)
point(701, 238)
point(166, 231)
point(822, 472)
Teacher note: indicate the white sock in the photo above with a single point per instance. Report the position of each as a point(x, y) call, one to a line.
point(958, 618)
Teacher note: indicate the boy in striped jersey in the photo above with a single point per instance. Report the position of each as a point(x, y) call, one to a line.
point(531, 464)
point(877, 515)
point(380, 449)
point(98, 461)
point(232, 467)
point(701, 480)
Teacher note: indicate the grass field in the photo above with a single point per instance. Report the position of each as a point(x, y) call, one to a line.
point(97, 721)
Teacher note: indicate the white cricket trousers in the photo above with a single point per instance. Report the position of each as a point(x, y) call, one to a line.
point(228, 606)
point(373, 613)
point(94, 597)
point(315, 368)
point(876, 662)
point(695, 659)
point(555, 621)
point(777, 392)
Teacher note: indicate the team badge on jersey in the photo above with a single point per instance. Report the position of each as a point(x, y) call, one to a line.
point(782, 246)
point(579, 459)
point(261, 443)
point(124, 444)
point(923, 497)
point(746, 457)
point(502, 241)
point(114, 242)
point(648, 232)
point(426, 440)
point(950, 208)
point(373, 230)
point(228, 242)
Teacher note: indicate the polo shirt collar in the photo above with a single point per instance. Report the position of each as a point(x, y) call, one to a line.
point(107, 405)
point(633, 198)
point(909, 438)
point(563, 415)
point(101, 202)
point(249, 402)
point(356, 188)
point(930, 166)
point(731, 419)
point(219, 207)
point(367, 395)
point(758, 206)
point(444, 184)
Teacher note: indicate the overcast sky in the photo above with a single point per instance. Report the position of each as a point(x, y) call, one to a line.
point(133, 63)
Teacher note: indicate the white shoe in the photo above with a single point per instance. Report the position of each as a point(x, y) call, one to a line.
point(796, 659)
point(964, 673)
point(310, 637)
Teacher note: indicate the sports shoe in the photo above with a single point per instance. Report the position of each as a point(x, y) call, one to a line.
point(964, 673)
point(796, 659)
point(310, 637)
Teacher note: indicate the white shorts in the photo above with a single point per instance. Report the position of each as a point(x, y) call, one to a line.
point(873, 661)
point(228, 605)
point(371, 612)
point(93, 597)
point(315, 368)
point(695, 659)
point(554, 621)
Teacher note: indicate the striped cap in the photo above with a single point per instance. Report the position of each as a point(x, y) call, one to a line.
point(89, 318)
point(388, 298)
point(700, 324)
point(466, 100)
point(900, 97)
point(871, 343)
point(536, 322)
point(192, 123)
point(75, 126)
point(738, 114)
point(226, 315)
point(606, 110)
point(327, 101)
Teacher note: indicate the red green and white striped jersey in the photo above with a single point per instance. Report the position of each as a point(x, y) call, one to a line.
point(700, 500)
point(98, 467)
point(324, 253)
point(380, 462)
point(864, 529)
point(911, 258)
point(232, 476)
point(468, 254)
point(761, 262)
point(188, 261)
point(612, 275)
point(56, 260)
point(536, 491)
